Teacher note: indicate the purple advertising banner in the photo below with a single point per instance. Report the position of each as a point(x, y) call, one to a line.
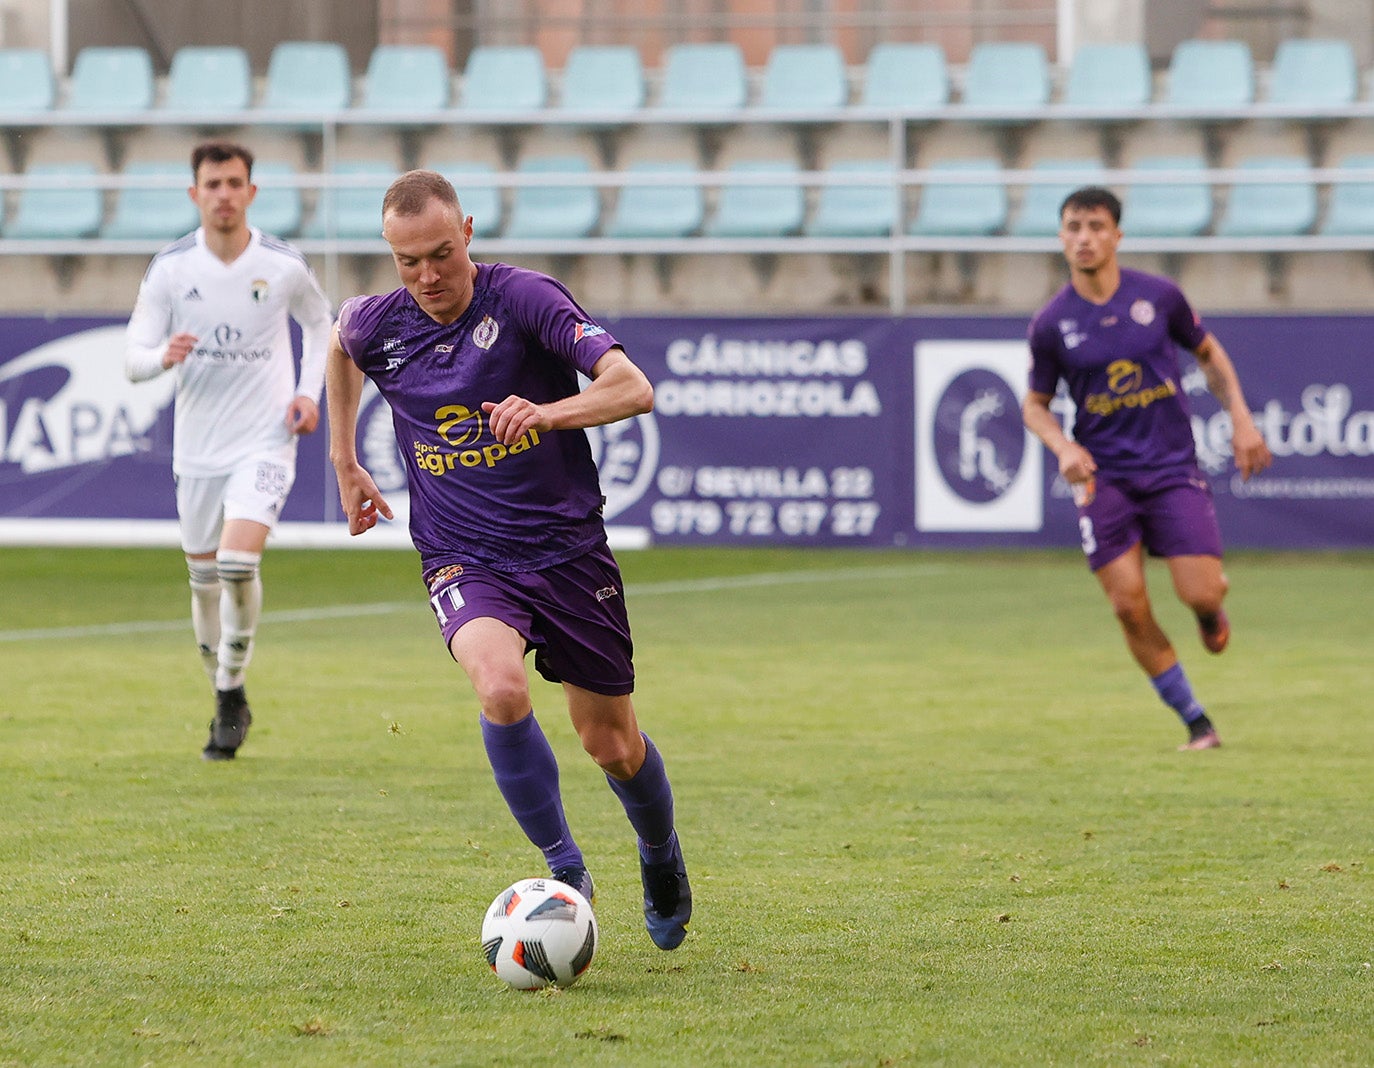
point(842, 431)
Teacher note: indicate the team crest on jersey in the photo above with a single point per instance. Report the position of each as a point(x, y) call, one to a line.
point(587, 330)
point(484, 336)
point(444, 574)
point(1143, 312)
point(258, 290)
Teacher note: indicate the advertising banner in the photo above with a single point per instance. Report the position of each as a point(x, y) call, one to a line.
point(839, 432)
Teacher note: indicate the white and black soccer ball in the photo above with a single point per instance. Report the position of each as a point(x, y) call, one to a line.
point(539, 932)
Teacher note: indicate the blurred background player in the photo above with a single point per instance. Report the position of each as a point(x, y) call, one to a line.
point(480, 365)
point(1111, 335)
point(215, 306)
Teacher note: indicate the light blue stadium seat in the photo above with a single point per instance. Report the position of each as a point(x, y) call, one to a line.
point(56, 212)
point(1039, 214)
point(857, 210)
point(1109, 76)
point(112, 79)
point(406, 78)
point(1007, 74)
point(1350, 211)
point(209, 79)
point(552, 211)
point(505, 78)
point(1168, 209)
point(704, 77)
point(804, 78)
point(658, 210)
point(26, 81)
point(961, 210)
point(354, 209)
point(1270, 209)
point(1211, 74)
point(308, 76)
point(1314, 72)
point(161, 211)
point(905, 76)
point(478, 193)
point(773, 210)
point(602, 78)
point(278, 209)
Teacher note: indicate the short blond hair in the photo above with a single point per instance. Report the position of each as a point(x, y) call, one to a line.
point(411, 192)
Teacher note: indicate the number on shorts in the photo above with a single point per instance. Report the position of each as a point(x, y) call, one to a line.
point(454, 599)
point(1085, 532)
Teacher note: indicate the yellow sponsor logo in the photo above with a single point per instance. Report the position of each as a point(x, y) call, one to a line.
point(436, 460)
point(1107, 404)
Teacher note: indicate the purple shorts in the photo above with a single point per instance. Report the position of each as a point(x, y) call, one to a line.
point(1169, 512)
point(572, 615)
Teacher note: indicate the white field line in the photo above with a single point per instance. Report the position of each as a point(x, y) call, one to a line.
point(347, 611)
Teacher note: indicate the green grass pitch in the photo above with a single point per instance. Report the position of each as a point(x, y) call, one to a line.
point(932, 812)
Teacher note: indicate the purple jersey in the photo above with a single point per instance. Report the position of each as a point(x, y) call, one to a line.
point(521, 507)
point(1120, 362)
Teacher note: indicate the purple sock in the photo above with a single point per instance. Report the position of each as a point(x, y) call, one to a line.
point(1176, 692)
point(648, 801)
point(527, 776)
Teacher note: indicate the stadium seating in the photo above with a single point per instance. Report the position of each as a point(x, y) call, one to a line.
point(804, 78)
point(26, 81)
point(352, 210)
point(602, 79)
point(504, 78)
point(153, 211)
point(1106, 75)
point(1314, 73)
point(1281, 208)
point(905, 76)
point(1039, 214)
point(279, 207)
point(1168, 209)
point(967, 209)
point(308, 76)
point(554, 211)
point(857, 210)
point(477, 193)
point(658, 210)
point(1006, 75)
point(1211, 74)
point(209, 80)
point(112, 80)
point(758, 210)
point(704, 77)
point(53, 210)
point(1350, 211)
point(405, 78)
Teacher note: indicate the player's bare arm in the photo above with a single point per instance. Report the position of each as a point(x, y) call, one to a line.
point(1251, 452)
point(358, 494)
point(1076, 464)
point(618, 390)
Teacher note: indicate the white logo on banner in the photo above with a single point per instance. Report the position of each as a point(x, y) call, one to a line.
point(977, 467)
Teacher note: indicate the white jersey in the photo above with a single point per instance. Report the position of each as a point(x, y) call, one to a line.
point(238, 381)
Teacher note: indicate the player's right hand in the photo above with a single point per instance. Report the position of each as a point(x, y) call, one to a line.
point(179, 346)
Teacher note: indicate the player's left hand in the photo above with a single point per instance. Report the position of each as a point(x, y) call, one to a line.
point(302, 416)
point(514, 417)
point(1250, 449)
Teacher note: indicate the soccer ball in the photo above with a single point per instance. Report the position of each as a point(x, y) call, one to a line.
point(539, 932)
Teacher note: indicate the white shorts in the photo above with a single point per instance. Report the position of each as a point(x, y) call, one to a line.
point(256, 490)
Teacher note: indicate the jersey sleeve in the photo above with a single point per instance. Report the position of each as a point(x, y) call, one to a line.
point(549, 313)
point(1044, 357)
point(1185, 326)
point(310, 308)
point(150, 324)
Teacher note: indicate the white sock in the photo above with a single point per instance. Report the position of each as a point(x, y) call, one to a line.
point(240, 604)
point(205, 612)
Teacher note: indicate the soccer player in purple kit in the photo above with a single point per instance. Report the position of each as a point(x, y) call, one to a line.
point(1112, 334)
point(479, 363)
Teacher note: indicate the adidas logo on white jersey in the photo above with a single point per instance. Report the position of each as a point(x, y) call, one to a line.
point(192, 294)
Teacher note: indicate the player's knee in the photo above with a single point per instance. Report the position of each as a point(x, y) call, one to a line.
point(237, 566)
point(614, 751)
point(204, 574)
point(1131, 607)
point(504, 695)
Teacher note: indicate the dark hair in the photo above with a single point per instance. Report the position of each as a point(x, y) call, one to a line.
point(219, 152)
point(1088, 197)
point(409, 193)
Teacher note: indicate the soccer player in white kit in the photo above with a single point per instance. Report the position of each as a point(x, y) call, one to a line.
point(215, 308)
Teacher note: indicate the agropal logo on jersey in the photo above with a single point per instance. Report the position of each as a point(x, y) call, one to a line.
point(67, 402)
point(976, 467)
